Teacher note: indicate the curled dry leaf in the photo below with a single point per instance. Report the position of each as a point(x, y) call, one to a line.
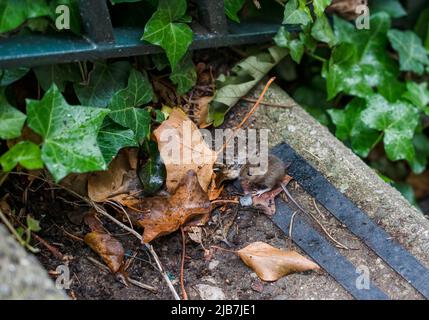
point(346, 8)
point(271, 264)
point(266, 201)
point(118, 179)
point(163, 215)
point(110, 249)
point(183, 148)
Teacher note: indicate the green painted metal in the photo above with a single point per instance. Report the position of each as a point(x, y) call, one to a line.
point(101, 40)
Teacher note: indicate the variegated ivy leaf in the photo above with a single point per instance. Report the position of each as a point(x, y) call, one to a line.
point(69, 134)
point(296, 12)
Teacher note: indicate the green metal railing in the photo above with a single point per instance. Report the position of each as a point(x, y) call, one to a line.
point(101, 40)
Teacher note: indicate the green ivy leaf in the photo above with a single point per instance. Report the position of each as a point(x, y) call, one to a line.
point(69, 134)
point(11, 119)
point(232, 7)
point(322, 31)
point(283, 39)
point(16, 12)
point(412, 54)
point(8, 76)
point(297, 13)
point(112, 137)
point(393, 7)
point(398, 121)
point(320, 6)
point(418, 95)
point(351, 129)
point(162, 30)
point(184, 75)
point(124, 105)
point(344, 30)
point(26, 153)
point(361, 63)
point(421, 144)
point(59, 74)
point(104, 80)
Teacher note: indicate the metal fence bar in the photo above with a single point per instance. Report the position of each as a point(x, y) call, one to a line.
point(96, 21)
point(212, 16)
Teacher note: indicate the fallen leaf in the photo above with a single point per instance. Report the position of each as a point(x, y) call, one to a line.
point(266, 201)
point(201, 110)
point(163, 215)
point(271, 264)
point(346, 8)
point(183, 148)
point(110, 249)
point(119, 178)
point(196, 234)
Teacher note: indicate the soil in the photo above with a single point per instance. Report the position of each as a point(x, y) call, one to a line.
point(219, 275)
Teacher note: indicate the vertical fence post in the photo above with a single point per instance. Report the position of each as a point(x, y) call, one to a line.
point(96, 21)
point(212, 16)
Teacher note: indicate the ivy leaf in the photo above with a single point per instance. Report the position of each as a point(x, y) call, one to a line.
point(16, 12)
point(344, 30)
point(418, 95)
point(112, 137)
point(296, 13)
point(26, 153)
point(232, 7)
point(8, 76)
point(352, 130)
point(59, 74)
point(11, 119)
point(322, 31)
point(283, 39)
point(361, 63)
point(412, 54)
point(104, 80)
point(184, 75)
point(320, 6)
point(162, 30)
point(398, 121)
point(421, 144)
point(69, 134)
point(124, 105)
point(393, 7)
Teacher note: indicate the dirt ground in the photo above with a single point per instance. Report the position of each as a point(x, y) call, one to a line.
point(221, 276)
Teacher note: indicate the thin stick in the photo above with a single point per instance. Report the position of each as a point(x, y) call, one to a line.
point(314, 218)
point(249, 114)
point(100, 210)
point(10, 227)
point(291, 228)
point(182, 266)
point(225, 201)
point(275, 105)
point(317, 209)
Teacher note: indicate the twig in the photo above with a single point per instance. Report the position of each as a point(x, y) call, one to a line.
point(249, 114)
point(314, 218)
point(318, 210)
point(225, 201)
point(291, 228)
point(51, 248)
point(142, 285)
point(275, 105)
point(182, 266)
point(100, 210)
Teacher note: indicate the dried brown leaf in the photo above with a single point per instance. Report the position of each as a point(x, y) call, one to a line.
point(271, 264)
point(109, 249)
point(187, 151)
point(163, 215)
point(118, 179)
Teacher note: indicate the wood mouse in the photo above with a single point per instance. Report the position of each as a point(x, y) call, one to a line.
point(271, 178)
